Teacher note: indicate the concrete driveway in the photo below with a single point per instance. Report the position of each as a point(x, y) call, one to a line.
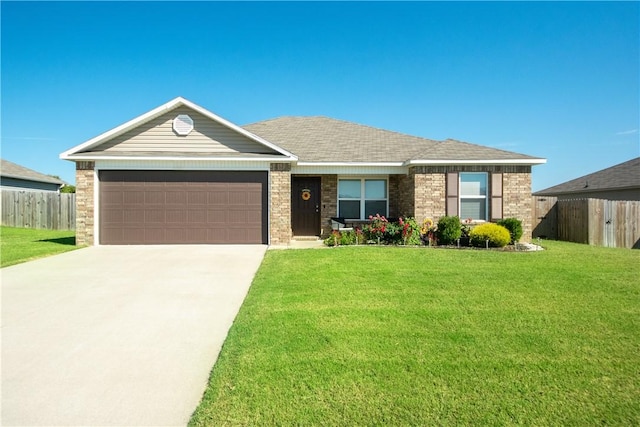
point(117, 335)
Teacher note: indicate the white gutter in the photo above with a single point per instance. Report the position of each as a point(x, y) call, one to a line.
point(180, 158)
point(475, 162)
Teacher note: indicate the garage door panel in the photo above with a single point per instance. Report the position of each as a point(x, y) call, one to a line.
point(113, 198)
point(197, 217)
point(154, 235)
point(162, 207)
point(112, 216)
point(151, 216)
point(175, 234)
point(175, 198)
point(217, 216)
point(197, 197)
point(218, 197)
point(217, 235)
point(154, 196)
point(130, 197)
point(175, 216)
point(253, 216)
point(130, 216)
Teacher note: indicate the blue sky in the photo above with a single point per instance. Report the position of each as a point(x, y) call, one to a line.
point(549, 79)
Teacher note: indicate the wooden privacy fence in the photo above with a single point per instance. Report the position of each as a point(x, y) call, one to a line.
point(39, 209)
point(598, 222)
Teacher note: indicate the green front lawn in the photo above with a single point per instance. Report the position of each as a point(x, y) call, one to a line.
point(24, 244)
point(419, 336)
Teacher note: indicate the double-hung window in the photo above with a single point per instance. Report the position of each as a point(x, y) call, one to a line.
point(473, 195)
point(360, 197)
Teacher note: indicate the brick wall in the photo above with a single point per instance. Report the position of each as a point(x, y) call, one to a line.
point(85, 212)
point(429, 199)
point(280, 203)
point(406, 195)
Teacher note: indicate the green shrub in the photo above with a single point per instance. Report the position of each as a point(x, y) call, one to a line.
point(449, 230)
point(497, 235)
point(409, 231)
point(345, 238)
point(514, 225)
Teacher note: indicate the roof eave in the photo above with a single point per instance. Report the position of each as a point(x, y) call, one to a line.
point(364, 164)
point(89, 157)
point(425, 162)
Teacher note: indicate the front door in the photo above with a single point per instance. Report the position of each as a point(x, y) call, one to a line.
point(305, 206)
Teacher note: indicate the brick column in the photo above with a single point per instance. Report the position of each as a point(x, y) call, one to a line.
point(280, 204)
point(85, 212)
point(517, 200)
point(329, 203)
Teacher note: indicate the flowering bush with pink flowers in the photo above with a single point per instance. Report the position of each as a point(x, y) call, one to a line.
point(382, 231)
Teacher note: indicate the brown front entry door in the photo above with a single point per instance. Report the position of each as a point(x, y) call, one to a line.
point(305, 206)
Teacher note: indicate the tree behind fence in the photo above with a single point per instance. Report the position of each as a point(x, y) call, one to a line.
point(599, 222)
point(39, 209)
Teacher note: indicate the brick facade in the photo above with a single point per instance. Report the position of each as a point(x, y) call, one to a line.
point(280, 203)
point(85, 203)
point(420, 193)
point(517, 200)
point(429, 197)
point(329, 205)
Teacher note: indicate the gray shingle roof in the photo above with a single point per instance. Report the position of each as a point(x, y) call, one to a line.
point(625, 175)
point(12, 170)
point(323, 139)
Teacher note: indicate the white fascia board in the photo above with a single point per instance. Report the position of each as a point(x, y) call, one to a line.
point(475, 162)
point(159, 111)
point(353, 164)
point(89, 157)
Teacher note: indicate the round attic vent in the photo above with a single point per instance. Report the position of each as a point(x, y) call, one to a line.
point(182, 124)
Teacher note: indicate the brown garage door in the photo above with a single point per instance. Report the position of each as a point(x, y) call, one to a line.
point(173, 207)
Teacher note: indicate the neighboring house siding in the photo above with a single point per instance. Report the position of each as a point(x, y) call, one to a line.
point(280, 209)
point(208, 136)
point(22, 184)
point(85, 203)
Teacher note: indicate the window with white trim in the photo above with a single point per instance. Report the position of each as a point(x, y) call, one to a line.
point(473, 195)
point(360, 197)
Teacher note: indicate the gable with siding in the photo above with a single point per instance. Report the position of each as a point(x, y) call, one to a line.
point(157, 136)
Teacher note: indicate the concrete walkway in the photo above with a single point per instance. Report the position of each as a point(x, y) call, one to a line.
point(117, 335)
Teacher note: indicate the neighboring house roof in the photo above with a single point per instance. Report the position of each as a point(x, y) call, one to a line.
point(619, 177)
point(15, 171)
point(325, 140)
